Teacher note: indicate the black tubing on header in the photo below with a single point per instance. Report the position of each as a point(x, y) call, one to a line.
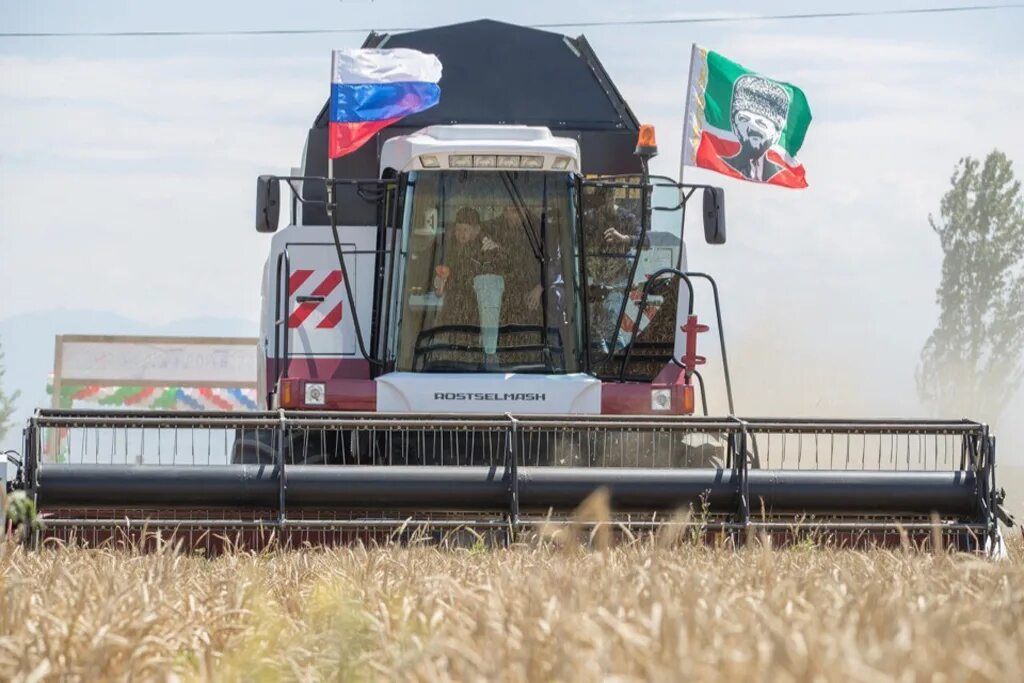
point(486, 489)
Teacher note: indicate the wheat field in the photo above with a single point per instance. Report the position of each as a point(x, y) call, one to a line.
point(535, 612)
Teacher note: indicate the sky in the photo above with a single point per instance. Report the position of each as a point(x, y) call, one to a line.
point(128, 165)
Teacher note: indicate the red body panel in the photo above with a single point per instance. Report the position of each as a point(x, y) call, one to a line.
point(346, 381)
point(348, 388)
point(358, 395)
point(320, 368)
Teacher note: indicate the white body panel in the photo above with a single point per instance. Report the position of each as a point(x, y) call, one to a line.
point(410, 392)
point(311, 248)
point(320, 331)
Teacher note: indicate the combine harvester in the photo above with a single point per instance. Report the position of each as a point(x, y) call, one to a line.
point(479, 319)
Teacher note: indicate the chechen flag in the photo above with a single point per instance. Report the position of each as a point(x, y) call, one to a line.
point(371, 89)
point(743, 124)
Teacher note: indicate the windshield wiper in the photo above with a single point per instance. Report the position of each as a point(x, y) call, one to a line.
point(524, 215)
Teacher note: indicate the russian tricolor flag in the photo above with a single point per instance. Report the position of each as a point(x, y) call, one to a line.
point(371, 89)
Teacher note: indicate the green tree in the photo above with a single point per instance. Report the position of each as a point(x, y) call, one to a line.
point(971, 363)
point(6, 400)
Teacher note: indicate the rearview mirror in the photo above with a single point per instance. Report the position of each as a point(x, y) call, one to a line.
point(714, 215)
point(268, 203)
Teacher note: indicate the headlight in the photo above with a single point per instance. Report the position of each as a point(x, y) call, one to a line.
point(560, 163)
point(661, 399)
point(315, 394)
point(429, 161)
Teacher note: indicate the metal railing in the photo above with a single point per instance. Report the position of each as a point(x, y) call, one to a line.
point(197, 438)
point(198, 470)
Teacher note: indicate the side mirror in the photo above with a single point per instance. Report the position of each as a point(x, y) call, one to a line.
point(268, 203)
point(714, 215)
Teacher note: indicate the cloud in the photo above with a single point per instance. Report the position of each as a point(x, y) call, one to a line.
point(209, 110)
point(129, 183)
point(826, 49)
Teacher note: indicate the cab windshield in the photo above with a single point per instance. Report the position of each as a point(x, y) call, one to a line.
point(489, 274)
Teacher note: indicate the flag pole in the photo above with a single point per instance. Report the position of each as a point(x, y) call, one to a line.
point(683, 295)
point(686, 111)
point(685, 140)
point(329, 187)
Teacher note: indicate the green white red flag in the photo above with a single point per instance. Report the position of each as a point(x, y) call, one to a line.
point(743, 124)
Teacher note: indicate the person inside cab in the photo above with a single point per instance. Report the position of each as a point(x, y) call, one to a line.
point(471, 277)
point(612, 235)
point(530, 239)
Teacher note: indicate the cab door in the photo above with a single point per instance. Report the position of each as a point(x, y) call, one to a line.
point(619, 256)
point(317, 322)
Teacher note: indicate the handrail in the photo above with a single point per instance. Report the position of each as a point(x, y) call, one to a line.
point(374, 362)
point(721, 334)
point(280, 368)
point(703, 391)
point(718, 316)
point(643, 304)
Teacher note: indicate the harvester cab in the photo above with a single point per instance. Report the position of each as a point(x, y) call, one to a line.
point(497, 279)
point(480, 318)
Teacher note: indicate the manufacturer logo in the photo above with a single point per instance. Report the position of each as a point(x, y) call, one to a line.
point(480, 396)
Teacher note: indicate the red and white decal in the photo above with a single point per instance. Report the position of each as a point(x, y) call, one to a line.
point(316, 283)
point(651, 308)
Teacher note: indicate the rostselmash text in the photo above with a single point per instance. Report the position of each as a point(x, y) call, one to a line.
point(474, 396)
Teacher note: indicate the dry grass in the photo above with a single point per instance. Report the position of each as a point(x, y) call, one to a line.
point(526, 613)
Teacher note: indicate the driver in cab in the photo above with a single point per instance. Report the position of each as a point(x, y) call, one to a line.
point(470, 276)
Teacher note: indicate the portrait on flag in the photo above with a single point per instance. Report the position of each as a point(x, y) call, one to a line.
point(757, 113)
point(743, 124)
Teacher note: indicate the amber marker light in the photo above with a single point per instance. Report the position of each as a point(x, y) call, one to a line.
point(286, 394)
point(646, 144)
point(689, 400)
